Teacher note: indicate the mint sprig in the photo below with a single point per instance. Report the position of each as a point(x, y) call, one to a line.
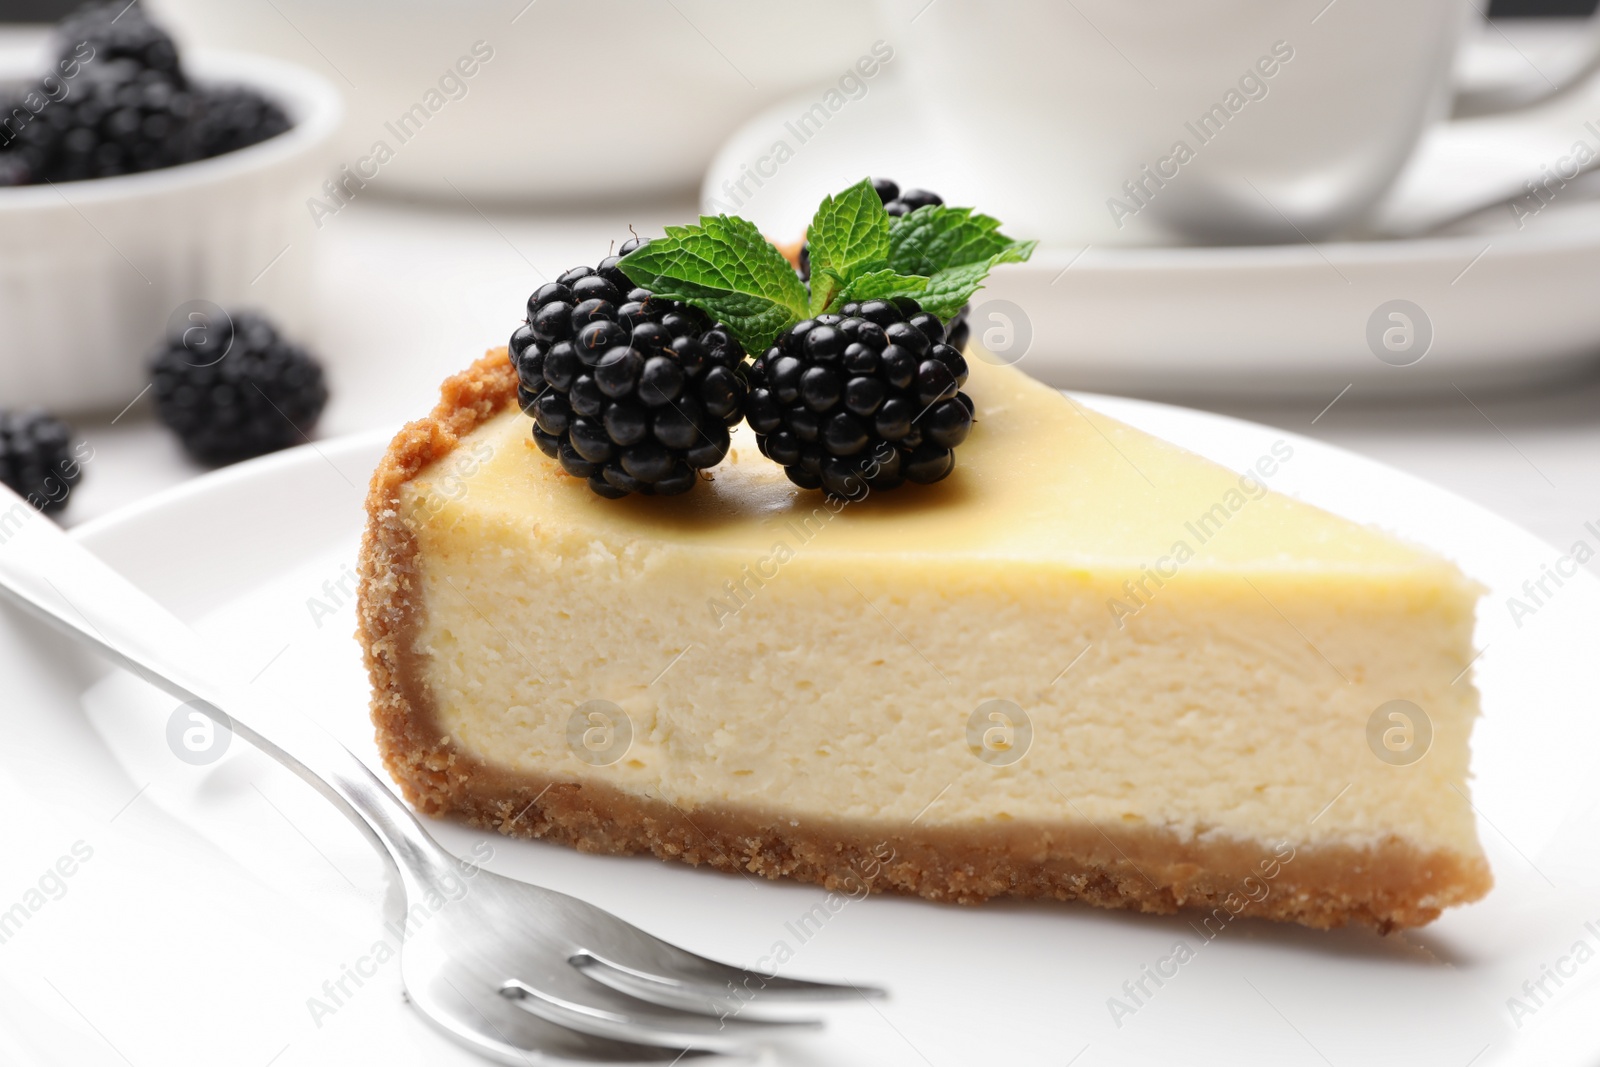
point(956, 248)
point(882, 285)
point(935, 238)
point(952, 287)
point(850, 243)
point(849, 234)
point(727, 269)
point(938, 256)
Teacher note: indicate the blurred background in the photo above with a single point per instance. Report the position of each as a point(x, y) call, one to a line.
point(1408, 271)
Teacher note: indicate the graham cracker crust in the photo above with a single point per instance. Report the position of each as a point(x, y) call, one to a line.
point(1388, 885)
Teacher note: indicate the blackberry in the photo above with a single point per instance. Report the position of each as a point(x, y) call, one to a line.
point(118, 30)
point(957, 330)
point(13, 171)
point(238, 390)
point(119, 118)
point(868, 397)
point(233, 117)
point(630, 391)
point(36, 458)
point(127, 107)
point(897, 202)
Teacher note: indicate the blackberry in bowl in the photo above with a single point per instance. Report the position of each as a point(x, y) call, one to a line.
point(633, 393)
point(119, 118)
point(867, 398)
point(117, 100)
point(118, 30)
point(235, 117)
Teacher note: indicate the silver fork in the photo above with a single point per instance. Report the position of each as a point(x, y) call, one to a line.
point(519, 974)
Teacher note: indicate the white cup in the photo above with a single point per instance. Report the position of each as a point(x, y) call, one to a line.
point(1177, 121)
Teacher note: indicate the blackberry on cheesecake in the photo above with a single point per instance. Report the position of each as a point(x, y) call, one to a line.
point(633, 393)
point(869, 397)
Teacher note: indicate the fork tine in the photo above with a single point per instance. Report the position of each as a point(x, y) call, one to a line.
point(498, 1030)
point(662, 973)
point(591, 1008)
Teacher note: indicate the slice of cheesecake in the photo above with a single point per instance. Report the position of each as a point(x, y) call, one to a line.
point(1088, 665)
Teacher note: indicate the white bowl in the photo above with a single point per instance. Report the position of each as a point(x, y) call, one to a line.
point(90, 271)
point(577, 100)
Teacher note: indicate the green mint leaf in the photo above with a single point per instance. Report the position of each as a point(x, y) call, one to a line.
point(849, 234)
point(825, 285)
point(956, 248)
point(948, 289)
point(727, 269)
point(936, 238)
point(881, 285)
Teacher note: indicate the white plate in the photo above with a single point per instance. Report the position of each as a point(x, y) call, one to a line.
point(220, 898)
point(1503, 305)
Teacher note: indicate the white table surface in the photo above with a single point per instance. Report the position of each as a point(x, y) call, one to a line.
point(410, 293)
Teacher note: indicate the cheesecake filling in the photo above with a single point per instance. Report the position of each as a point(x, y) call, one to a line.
point(853, 693)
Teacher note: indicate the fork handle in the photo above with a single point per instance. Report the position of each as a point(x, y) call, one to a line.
point(58, 580)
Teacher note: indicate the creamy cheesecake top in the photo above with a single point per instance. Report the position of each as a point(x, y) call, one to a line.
point(1042, 477)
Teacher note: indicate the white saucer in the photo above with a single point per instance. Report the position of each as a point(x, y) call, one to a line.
point(1503, 306)
point(222, 902)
